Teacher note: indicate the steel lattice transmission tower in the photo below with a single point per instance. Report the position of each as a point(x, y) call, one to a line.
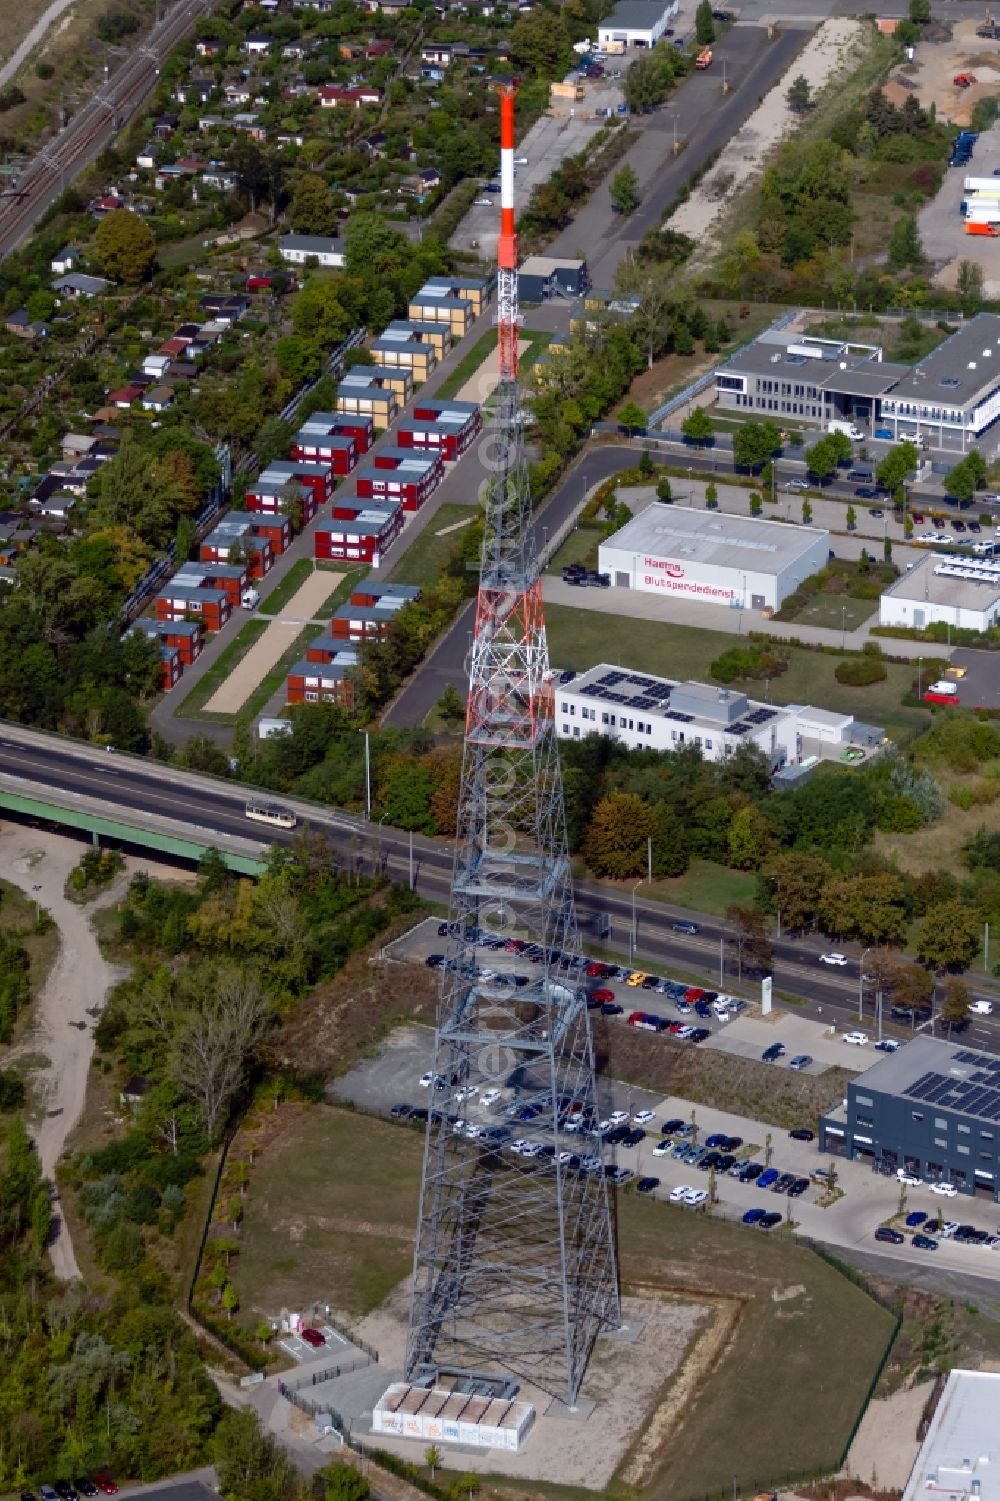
point(515, 1262)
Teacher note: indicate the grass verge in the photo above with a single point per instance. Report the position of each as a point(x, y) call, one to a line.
point(581, 638)
point(220, 669)
point(467, 365)
point(427, 556)
point(342, 593)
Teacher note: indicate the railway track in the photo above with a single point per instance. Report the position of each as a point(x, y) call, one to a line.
point(80, 142)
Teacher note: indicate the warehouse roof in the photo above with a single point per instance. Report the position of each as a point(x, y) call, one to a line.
point(547, 265)
point(944, 1075)
point(965, 364)
point(943, 579)
point(712, 537)
point(960, 1453)
point(636, 15)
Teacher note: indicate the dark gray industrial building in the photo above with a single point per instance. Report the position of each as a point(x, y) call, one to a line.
point(932, 1108)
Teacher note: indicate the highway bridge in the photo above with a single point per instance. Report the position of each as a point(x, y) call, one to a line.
point(146, 804)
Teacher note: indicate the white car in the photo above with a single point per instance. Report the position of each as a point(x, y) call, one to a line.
point(981, 1008)
point(426, 1080)
point(946, 1190)
point(489, 1097)
point(619, 1117)
point(696, 1196)
point(839, 959)
point(948, 1229)
point(467, 1092)
point(679, 1195)
point(856, 1039)
point(910, 1179)
point(663, 1148)
point(643, 1117)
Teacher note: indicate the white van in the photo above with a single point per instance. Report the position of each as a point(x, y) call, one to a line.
point(981, 1008)
point(854, 433)
point(944, 688)
point(250, 599)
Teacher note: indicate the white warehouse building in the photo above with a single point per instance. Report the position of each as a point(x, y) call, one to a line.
point(652, 713)
point(715, 559)
point(943, 589)
point(636, 23)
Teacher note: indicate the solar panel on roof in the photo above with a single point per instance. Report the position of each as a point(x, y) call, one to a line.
point(644, 703)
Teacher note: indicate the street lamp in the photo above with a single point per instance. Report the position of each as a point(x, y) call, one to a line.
point(843, 626)
point(861, 985)
point(368, 778)
point(633, 934)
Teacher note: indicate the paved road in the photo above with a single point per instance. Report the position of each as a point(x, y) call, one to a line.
point(210, 805)
point(94, 127)
point(705, 118)
point(25, 47)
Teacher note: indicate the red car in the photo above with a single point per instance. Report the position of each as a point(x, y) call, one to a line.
point(602, 994)
point(596, 970)
point(917, 518)
point(694, 994)
point(106, 1484)
point(314, 1338)
point(675, 1027)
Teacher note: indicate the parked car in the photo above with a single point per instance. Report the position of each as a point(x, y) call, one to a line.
point(678, 1194)
point(695, 1196)
point(768, 1221)
point(753, 1215)
point(773, 1053)
point(768, 1177)
point(611, 1008)
point(924, 1243)
point(888, 1045)
point(946, 1190)
point(800, 1061)
point(904, 1176)
point(802, 1133)
point(886, 1233)
point(647, 1185)
point(856, 1039)
point(105, 1483)
point(798, 1188)
point(914, 1220)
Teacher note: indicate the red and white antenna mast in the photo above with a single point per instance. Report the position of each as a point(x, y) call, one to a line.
point(507, 314)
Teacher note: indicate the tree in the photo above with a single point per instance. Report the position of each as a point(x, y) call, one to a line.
point(749, 840)
point(213, 1050)
point(616, 839)
point(822, 458)
point(905, 249)
point(312, 210)
point(753, 942)
point(898, 465)
point(799, 95)
point(247, 1459)
point(664, 491)
point(345, 1482)
point(920, 12)
point(711, 495)
point(432, 1458)
point(754, 443)
point(624, 190)
point(539, 43)
point(852, 518)
point(230, 1299)
point(969, 284)
point(124, 247)
point(704, 24)
point(955, 1003)
point(793, 883)
point(698, 426)
point(451, 705)
point(948, 937)
point(807, 512)
point(632, 418)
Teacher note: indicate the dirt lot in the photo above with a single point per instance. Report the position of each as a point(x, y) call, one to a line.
point(930, 75)
point(251, 670)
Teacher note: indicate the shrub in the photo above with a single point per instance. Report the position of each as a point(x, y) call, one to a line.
point(859, 672)
point(750, 661)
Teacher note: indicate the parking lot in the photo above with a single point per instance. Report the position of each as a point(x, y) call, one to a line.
point(942, 228)
point(980, 688)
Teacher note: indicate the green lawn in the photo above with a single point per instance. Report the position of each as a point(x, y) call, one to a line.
point(836, 612)
point(580, 638)
point(580, 547)
point(705, 887)
point(220, 669)
point(348, 1185)
point(425, 559)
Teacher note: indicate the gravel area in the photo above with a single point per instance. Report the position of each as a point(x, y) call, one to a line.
point(626, 1379)
point(832, 50)
point(886, 1443)
point(251, 670)
point(482, 385)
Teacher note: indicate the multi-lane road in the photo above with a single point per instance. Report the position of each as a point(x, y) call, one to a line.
point(80, 142)
point(131, 788)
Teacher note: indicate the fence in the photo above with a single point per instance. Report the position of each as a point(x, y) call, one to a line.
point(696, 387)
point(333, 363)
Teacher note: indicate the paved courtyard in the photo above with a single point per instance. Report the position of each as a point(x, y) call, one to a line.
point(279, 638)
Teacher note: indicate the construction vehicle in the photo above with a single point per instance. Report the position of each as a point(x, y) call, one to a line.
point(704, 58)
point(964, 80)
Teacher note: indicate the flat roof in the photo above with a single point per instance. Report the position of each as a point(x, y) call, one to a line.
point(712, 537)
point(945, 579)
point(705, 705)
point(545, 265)
point(825, 365)
point(942, 1075)
point(954, 373)
point(960, 1453)
point(637, 14)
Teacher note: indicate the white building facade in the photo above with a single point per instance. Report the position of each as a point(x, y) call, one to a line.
point(740, 561)
point(944, 589)
point(637, 23)
point(647, 713)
